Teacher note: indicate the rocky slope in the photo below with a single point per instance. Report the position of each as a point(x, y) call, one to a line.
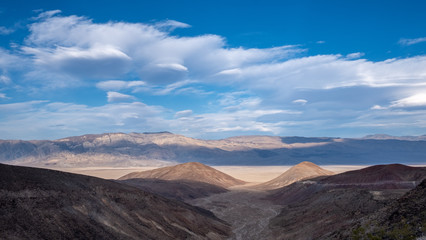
point(192, 171)
point(182, 190)
point(296, 173)
point(315, 208)
point(404, 218)
point(47, 204)
point(162, 149)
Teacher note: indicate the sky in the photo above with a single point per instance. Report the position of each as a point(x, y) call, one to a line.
point(212, 69)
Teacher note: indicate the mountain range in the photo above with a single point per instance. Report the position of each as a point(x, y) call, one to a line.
point(164, 148)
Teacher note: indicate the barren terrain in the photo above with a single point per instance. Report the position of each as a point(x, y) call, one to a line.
point(244, 208)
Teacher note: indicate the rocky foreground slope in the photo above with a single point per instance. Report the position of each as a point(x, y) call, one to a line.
point(404, 218)
point(162, 149)
point(46, 204)
point(182, 190)
point(317, 208)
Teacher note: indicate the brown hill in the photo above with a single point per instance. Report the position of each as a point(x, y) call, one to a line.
point(299, 172)
point(46, 204)
point(192, 171)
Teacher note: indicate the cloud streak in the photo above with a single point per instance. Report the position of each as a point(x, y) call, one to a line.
point(411, 41)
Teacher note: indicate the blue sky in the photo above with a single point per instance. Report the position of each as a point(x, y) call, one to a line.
point(212, 69)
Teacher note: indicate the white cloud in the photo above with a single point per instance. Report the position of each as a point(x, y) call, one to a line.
point(378, 107)
point(354, 55)
point(300, 101)
point(234, 71)
point(280, 80)
point(146, 49)
point(118, 97)
point(2, 95)
point(6, 31)
point(5, 79)
point(48, 14)
point(184, 113)
point(173, 66)
point(411, 41)
point(172, 25)
point(417, 100)
point(118, 84)
point(98, 61)
point(264, 88)
point(31, 120)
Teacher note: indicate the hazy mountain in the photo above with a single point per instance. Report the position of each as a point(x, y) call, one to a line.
point(316, 208)
point(47, 204)
point(296, 173)
point(163, 149)
point(192, 171)
point(389, 137)
point(182, 190)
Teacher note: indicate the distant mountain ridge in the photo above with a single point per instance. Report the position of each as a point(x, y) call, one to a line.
point(390, 137)
point(164, 148)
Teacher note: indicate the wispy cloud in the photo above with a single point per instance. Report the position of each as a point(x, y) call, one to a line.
point(355, 55)
point(411, 41)
point(6, 31)
point(300, 101)
point(171, 25)
point(417, 100)
point(118, 97)
point(119, 84)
